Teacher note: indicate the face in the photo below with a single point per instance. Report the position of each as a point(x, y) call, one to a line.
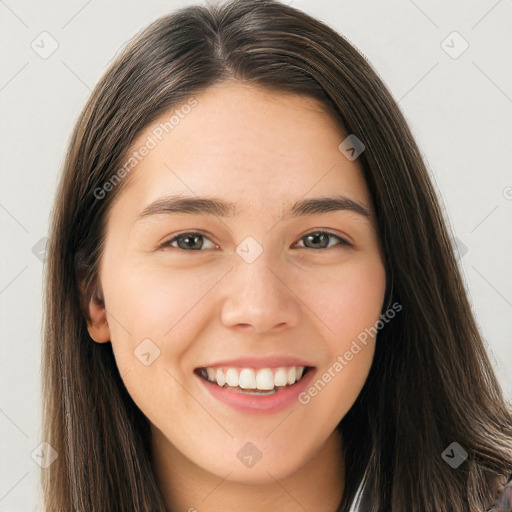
point(260, 286)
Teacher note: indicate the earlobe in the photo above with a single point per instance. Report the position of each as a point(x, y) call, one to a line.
point(98, 326)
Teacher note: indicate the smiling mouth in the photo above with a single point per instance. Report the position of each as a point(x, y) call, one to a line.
point(261, 381)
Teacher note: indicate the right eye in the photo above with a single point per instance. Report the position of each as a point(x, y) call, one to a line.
point(189, 241)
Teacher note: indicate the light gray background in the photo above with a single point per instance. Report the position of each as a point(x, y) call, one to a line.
point(459, 109)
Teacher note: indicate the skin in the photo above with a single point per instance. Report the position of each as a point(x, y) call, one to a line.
point(262, 150)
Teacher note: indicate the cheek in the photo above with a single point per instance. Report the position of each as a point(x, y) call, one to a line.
point(350, 310)
point(337, 386)
point(353, 314)
point(147, 301)
point(348, 305)
point(154, 316)
point(347, 300)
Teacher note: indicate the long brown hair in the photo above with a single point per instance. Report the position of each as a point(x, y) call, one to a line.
point(431, 382)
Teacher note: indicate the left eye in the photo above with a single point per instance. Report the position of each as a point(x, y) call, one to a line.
point(319, 238)
point(194, 241)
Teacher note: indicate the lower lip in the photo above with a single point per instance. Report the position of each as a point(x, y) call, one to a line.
point(260, 403)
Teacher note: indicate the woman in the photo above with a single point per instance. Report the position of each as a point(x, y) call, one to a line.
point(252, 299)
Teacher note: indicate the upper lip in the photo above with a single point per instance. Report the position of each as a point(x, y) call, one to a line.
point(259, 362)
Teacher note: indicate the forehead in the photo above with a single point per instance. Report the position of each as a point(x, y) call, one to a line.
point(248, 145)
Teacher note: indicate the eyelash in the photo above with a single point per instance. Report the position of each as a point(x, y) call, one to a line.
point(343, 242)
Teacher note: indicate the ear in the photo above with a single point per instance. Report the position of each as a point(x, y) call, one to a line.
point(98, 327)
point(95, 313)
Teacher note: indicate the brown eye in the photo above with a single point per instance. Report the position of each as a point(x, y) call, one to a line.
point(321, 240)
point(188, 241)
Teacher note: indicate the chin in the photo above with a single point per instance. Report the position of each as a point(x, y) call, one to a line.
point(262, 472)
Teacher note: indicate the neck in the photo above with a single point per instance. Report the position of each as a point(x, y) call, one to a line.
point(186, 487)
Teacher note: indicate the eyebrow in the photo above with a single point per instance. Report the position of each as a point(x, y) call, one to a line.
point(220, 208)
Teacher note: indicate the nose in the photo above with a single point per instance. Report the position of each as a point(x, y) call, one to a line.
point(260, 298)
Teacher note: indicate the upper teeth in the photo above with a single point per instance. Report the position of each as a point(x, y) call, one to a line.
point(249, 378)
